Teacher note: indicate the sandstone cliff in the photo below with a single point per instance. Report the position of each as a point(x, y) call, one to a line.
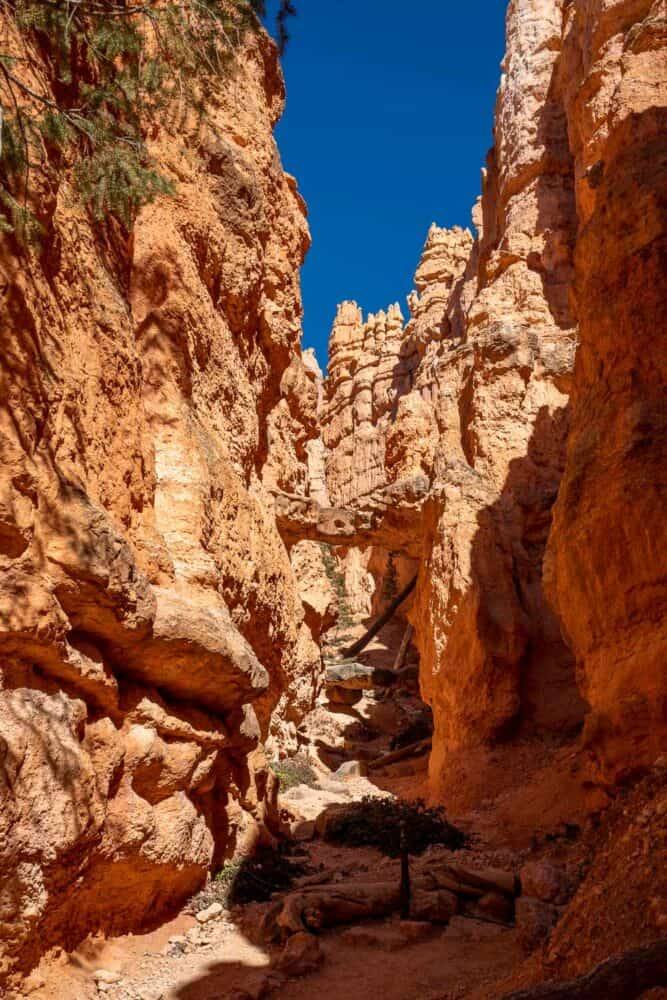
point(160, 609)
point(150, 624)
point(608, 547)
point(540, 602)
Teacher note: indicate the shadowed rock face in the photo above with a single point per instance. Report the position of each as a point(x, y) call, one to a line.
point(150, 624)
point(608, 546)
point(541, 597)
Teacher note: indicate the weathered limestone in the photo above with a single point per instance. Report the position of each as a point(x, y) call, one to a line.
point(533, 615)
point(361, 389)
point(607, 554)
point(491, 648)
point(387, 517)
point(150, 623)
point(320, 601)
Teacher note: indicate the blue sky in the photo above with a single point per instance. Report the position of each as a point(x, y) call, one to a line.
point(389, 117)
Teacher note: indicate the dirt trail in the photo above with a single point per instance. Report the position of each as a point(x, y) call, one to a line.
point(227, 959)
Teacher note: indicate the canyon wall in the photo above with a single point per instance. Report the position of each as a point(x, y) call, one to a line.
point(540, 602)
point(156, 637)
point(492, 654)
point(607, 565)
point(152, 638)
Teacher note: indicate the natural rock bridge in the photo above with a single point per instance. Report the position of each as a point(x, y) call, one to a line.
point(390, 517)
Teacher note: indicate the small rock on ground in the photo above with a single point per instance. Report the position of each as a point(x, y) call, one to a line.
point(210, 913)
point(302, 954)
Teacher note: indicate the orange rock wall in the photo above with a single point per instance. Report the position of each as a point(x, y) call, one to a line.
point(493, 660)
point(608, 548)
point(540, 601)
point(152, 638)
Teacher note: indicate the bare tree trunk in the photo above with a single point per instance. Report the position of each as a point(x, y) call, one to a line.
point(381, 621)
point(403, 648)
point(413, 750)
point(623, 977)
point(405, 874)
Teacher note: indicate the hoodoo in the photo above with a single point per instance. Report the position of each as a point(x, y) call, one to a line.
point(286, 658)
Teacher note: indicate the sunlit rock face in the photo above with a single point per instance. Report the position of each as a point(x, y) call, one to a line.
point(150, 623)
point(492, 654)
point(362, 386)
point(540, 602)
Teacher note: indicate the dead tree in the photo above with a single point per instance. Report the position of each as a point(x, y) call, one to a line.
point(381, 621)
point(405, 874)
point(403, 649)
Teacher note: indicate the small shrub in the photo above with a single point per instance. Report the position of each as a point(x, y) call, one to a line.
point(336, 578)
point(294, 771)
point(225, 877)
point(255, 879)
point(377, 823)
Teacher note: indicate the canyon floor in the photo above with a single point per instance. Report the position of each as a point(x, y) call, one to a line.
point(228, 956)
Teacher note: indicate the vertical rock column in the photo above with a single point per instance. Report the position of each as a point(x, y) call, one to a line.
point(608, 545)
point(492, 655)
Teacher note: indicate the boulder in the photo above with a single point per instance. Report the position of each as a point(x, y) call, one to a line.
point(493, 906)
point(544, 881)
point(358, 676)
point(415, 930)
point(535, 920)
point(210, 913)
point(489, 879)
point(340, 903)
point(302, 954)
point(343, 696)
point(436, 907)
point(106, 976)
point(351, 769)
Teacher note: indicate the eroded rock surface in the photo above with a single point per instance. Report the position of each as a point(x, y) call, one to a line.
point(608, 546)
point(172, 465)
point(540, 603)
point(150, 622)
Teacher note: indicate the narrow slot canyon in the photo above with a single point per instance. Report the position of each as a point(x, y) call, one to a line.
point(338, 685)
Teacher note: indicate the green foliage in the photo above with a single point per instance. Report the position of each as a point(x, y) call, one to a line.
point(16, 218)
point(14, 153)
point(114, 181)
point(115, 67)
point(255, 879)
point(54, 129)
point(225, 877)
point(337, 579)
point(294, 771)
point(375, 822)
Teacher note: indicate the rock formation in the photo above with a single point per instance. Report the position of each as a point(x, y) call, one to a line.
point(541, 595)
point(608, 547)
point(172, 466)
point(150, 622)
point(361, 387)
point(492, 653)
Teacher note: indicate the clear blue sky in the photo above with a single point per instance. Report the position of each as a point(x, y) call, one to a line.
point(388, 121)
